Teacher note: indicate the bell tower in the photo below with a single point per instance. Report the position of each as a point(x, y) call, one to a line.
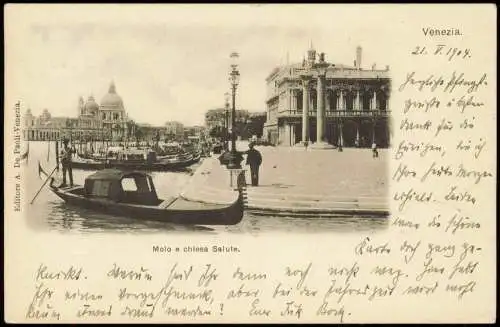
point(311, 55)
point(81, 106)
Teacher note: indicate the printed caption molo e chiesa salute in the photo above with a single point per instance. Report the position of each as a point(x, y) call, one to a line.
point(328, 105)
point(108, 120)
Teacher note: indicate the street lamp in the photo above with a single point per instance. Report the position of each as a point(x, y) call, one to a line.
point(234, 77)
point(226, 121)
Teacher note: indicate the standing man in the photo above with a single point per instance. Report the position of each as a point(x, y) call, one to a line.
point(374, 150)
point(254, 159)
point(66, 158)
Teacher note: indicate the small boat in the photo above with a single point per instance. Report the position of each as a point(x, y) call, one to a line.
point(133, 194)
point(132, 161)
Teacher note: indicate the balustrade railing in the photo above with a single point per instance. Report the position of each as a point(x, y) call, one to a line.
point(339, 113)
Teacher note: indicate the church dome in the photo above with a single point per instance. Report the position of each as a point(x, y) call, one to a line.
point(112, 100)
point(91, 107)
point(45, 115)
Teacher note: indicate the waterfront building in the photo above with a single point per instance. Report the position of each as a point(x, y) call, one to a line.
point(328, 104)
point(108, 121)
point(196, 130)
point(218, 117)
point(149, 133)
point(174, 130)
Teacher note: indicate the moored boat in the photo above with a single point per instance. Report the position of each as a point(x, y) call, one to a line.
point(134, 159)
point(133, 194)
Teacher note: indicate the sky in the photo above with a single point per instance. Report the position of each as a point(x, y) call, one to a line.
point(171, 62)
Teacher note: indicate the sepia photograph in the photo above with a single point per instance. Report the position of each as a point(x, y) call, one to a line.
point(250, 163)
point(173, 132)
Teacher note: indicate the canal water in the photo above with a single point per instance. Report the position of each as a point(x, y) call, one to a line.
point(49, 212)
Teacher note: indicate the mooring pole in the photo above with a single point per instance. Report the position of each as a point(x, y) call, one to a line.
point(57, 155)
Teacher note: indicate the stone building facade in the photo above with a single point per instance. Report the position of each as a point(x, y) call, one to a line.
point(174, 130)
point(93, 121)
point(218, 117)
point(328, 105)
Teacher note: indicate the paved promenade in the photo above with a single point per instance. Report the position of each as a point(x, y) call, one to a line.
point(296, 181)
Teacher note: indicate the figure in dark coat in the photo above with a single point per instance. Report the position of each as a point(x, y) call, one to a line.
point(254, 160)
point(66, 160)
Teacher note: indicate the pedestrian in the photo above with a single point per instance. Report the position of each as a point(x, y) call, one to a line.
point(374, 150)
point(254, 160)
point(306, 144)
point(66, 161)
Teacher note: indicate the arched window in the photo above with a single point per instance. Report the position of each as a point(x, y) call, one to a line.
point(299, 100)
point(313, 102)
point(332, 100)
point(367, 96)
point(349, 100)
point(382, 100)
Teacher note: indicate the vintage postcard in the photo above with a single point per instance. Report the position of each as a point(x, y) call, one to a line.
point(250, 163)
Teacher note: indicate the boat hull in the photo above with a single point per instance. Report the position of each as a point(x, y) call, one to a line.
point(155, 166)
point(181, 211)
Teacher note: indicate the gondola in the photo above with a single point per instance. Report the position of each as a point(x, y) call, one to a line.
point(133, 194)
point(156, 165)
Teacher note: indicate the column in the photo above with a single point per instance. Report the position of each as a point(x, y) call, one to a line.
point(341, 100)
point(373, 131)
point(290, 99)
point(290, 126)
point(292, 134)
point(341, 134)
point(387, 101)
point(297, 100)
point(327, 101)
point(320, 112)
point(374, 104)
point(305, 108)
point(357, 134)
point(293, 100)
point(356, 103)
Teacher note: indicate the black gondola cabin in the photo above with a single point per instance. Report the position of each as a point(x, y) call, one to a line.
point(122, 186)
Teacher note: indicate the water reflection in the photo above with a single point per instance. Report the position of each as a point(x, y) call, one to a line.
point(50, 212)
point(66, 218)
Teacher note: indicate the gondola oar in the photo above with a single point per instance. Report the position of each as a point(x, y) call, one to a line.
point(41, 170)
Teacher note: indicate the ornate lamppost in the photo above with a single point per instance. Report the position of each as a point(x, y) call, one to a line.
point(226, 121)
point(235, 158)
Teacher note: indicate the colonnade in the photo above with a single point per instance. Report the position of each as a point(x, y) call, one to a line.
point(354, 131)
point(341, 104)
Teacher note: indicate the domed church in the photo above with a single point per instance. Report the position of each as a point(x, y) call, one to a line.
point(113, 113)
point(107, 120)
point(110, 115)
